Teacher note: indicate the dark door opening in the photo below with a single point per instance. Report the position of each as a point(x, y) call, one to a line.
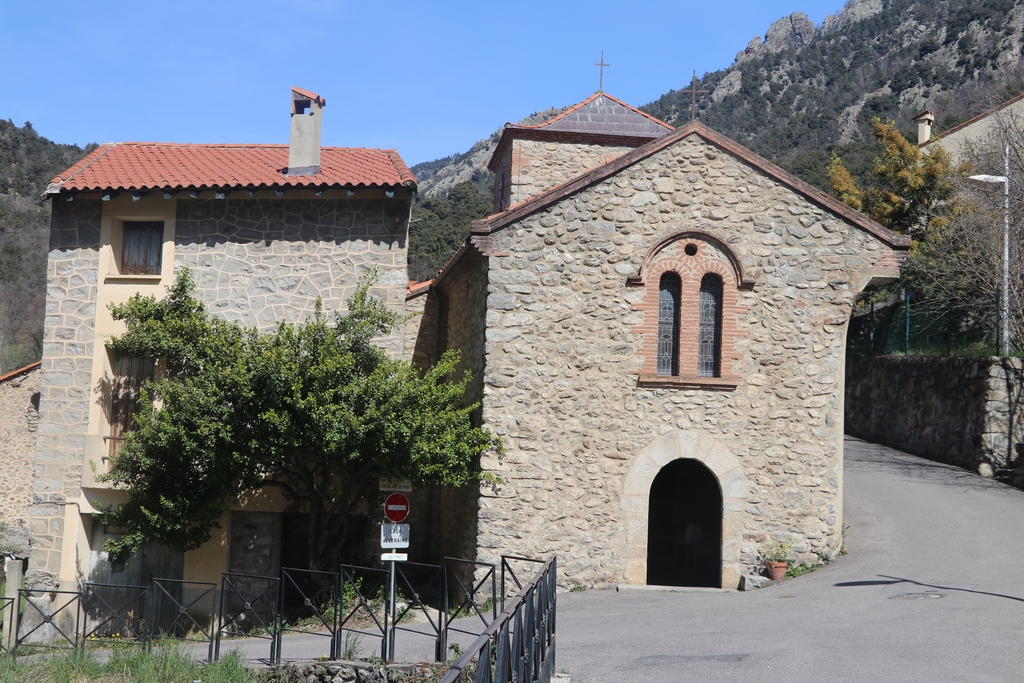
point(684, 530)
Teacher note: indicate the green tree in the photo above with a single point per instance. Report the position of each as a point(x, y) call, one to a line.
point(315, 409)
point(912, 191)
point(441, 224)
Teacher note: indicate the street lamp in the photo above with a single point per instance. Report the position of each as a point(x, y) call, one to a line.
point(1004, 342)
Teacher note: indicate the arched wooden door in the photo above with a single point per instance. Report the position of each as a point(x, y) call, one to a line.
point(684, 531)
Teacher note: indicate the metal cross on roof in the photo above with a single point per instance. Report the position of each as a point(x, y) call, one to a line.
point(693, 93)
point(600, 86)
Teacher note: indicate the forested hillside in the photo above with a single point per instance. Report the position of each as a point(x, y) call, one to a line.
point(804, 92)
point(27, 163)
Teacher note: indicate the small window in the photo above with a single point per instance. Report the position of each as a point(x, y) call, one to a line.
point(668, 324)
point(130, 374)
point(709, 351)
point(141, 247)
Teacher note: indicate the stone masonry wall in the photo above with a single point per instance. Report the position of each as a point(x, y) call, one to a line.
point(462, 328)
point(564, 353)
point(537, 166)
point(962, 411)
point(71, 281)
point(258, 261)
point(19, 419)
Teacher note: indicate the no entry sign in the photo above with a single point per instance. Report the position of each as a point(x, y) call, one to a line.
point(396, 507)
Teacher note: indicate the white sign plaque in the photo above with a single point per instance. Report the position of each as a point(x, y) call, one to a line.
point(394, 557)
point(394, 535)
point(395, 485)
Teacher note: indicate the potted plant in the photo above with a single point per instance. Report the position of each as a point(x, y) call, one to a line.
point(776, 557)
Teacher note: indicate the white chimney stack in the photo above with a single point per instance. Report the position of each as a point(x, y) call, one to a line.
point(304, 142)
point(924, 126)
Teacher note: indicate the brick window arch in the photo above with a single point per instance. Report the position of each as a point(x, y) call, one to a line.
point(691, 282)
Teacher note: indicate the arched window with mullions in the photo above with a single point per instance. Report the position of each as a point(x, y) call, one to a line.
point(669, 291)
point(709, 340)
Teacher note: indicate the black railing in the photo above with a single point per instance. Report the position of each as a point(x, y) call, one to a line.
point(8, 623)
point(431, 582)
point(310, 604)
point(511, 581)
point(184, 611)
point(462, 593)
point(249, 609)
point(114, 613)
point(48, 618)
point(519, 644)
point(364, 602)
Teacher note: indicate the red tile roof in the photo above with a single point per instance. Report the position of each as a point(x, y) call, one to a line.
point(21, 371)
point(168, 166)
point(310, 94)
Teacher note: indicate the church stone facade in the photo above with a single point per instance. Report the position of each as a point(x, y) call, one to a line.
point(555, 305)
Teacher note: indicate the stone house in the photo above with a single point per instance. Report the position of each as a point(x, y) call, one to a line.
point(265, 229)
point(658, 334)
point(991, 126)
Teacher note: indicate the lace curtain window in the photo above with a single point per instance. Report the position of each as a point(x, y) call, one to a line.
point(668, 324)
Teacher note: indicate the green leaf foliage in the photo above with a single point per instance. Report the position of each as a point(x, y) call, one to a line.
point(442, 224)
point(315, 409)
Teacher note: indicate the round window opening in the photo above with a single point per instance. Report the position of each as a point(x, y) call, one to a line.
point(691, 249)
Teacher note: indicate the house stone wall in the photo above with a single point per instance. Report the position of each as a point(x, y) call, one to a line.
point(961, 411)
point(66, 391)
point(260, 260)
point(19, 419)
point(564, 348)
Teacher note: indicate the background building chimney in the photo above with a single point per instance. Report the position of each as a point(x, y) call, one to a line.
point(304, 142)
point(924, 126)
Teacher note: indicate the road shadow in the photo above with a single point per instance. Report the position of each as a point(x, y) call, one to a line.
point(895, 580)
point(864, 457)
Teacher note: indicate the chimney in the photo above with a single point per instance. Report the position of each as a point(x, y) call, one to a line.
point(304, 142)
point(924, 126)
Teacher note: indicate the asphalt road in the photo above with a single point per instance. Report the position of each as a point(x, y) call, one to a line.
point(931, 590)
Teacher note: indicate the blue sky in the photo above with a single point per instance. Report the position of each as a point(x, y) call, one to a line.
point(428, 79)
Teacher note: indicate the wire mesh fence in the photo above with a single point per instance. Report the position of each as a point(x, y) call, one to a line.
point(927, 328)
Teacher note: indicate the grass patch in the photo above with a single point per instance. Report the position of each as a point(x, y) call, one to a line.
point(125, 666)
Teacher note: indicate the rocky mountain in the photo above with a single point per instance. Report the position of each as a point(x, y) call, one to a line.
point(802, 91)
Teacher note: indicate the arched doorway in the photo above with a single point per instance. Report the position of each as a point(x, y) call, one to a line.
point(684, 531)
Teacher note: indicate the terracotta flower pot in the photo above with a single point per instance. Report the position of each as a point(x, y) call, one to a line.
point(777, 570)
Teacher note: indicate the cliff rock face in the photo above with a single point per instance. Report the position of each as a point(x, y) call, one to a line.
point(794, 31)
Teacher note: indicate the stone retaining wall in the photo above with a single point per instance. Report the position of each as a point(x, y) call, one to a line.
point(962, 411)
point(19, 417)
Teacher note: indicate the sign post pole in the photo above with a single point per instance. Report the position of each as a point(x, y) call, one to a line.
point(394, 535)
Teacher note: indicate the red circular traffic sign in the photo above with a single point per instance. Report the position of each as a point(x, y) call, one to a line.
point(396, 507)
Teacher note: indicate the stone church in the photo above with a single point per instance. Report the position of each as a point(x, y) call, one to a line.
point(656, 324)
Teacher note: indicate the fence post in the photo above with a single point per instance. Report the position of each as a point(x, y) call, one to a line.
point(13, 568)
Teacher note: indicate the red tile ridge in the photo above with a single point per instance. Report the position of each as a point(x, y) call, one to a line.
point(20, 371)
point(415, 288)
point(310, 94)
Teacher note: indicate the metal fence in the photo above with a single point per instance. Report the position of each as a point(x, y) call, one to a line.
point(249, 608)
point(519, 645)
point(929, 328)
point(114, 613)
point(184, 611)
point(460, 596)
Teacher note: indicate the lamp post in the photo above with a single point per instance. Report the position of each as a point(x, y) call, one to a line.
point(1004, 342)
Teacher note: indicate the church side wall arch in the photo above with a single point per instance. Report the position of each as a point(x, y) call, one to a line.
point(636, 489)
